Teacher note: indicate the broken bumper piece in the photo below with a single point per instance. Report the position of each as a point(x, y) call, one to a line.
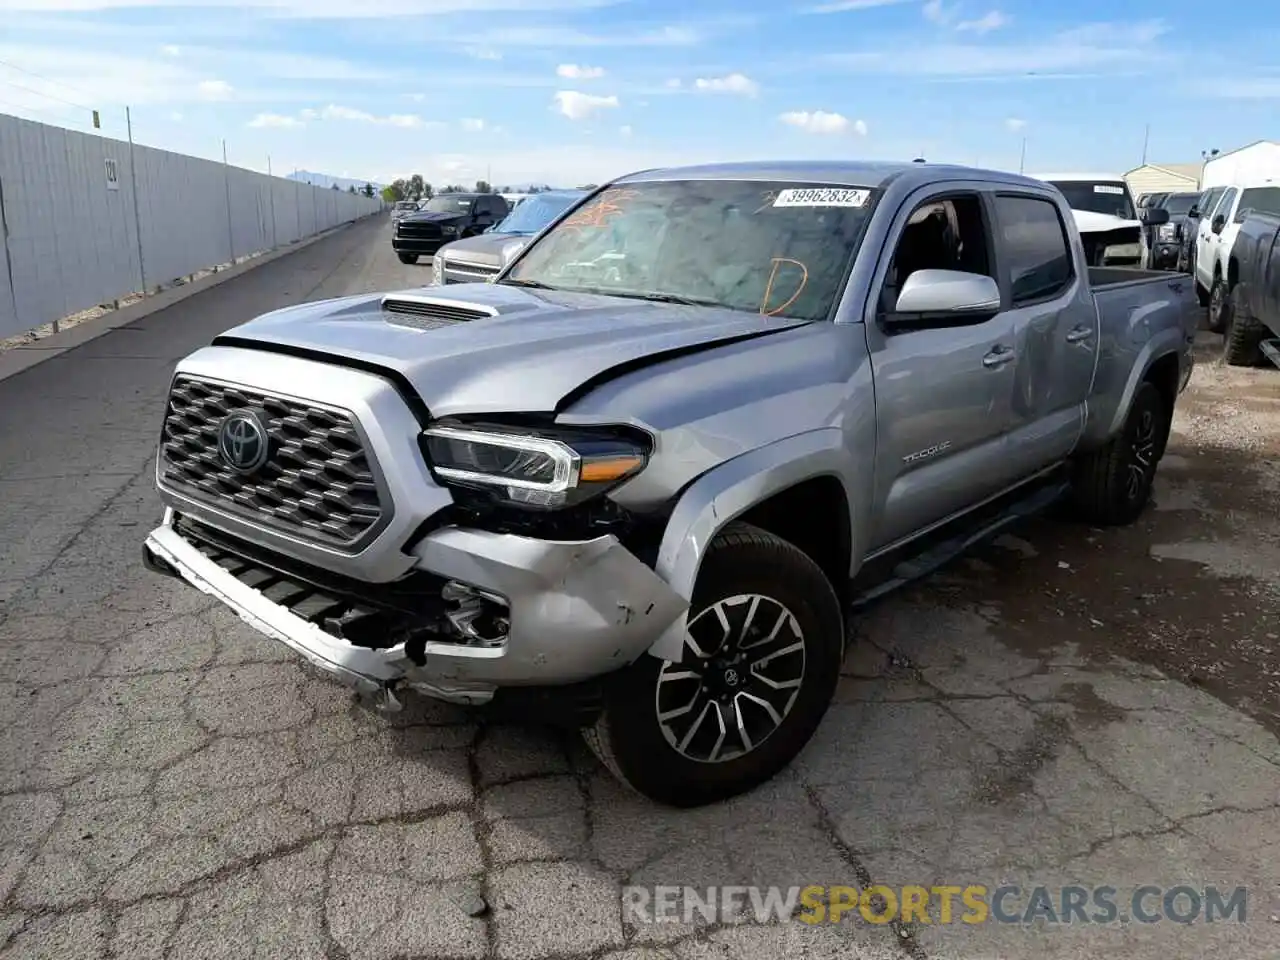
point(516, 612)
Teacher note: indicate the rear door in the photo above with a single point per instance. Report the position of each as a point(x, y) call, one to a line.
point(942, 390)
point(1055, 329)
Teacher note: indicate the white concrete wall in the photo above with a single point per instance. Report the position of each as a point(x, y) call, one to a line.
point(71, 242)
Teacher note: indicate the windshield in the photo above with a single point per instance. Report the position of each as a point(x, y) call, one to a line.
point(406, 205)
point(1260, 199)
point(535, 213)
point(778, 249)
point(1106, 196)
point(1178, 204)
point(448, 204)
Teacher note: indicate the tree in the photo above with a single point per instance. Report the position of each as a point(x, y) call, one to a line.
point(415, 187)
point(389, 195)
point(427, 191)
point(368, 190)
point(589, 186)
point(483, 186)
point(334, 186)
point(399, 189)
point(351, 188)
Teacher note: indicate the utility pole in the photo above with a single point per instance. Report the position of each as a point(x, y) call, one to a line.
point(137, 219)
point(1146, 137)
point(1022, 158)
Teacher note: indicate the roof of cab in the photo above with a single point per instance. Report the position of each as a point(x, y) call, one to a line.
point(844, 173)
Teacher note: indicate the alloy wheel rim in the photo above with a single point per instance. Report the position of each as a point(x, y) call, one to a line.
point(744, 668)
point(1142, 455)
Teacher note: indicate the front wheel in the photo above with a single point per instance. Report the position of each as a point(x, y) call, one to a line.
point(1219, 306)
point(408, 257)
point(1111, 486)
point(762, 657)
point(1242, 340)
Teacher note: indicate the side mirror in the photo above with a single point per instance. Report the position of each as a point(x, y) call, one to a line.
point(1218, 223)
point(1193, 213)
point(1155, 216)
point(948, 292)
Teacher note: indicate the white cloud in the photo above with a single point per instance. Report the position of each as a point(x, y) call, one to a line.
point(472, 124)
point(840, 6)
point(574, 71)
point(1240, 88)
point(1014, 124)
point(169, 50)
point(335, 112)
point(484, 53)
point(991, 20)
point(820, 121)
point(625, 130)
point(318, 9)
point(935, 12)
point(274, 120)
point(176, 116)
point(733, 83)
point(579, 106)
point(1096, 48)
point(214, 90)
point(565, 37)
point(675, 83)
point(405, 120)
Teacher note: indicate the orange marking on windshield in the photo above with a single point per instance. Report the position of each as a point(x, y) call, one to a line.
point(773, 275)
point(602, 210)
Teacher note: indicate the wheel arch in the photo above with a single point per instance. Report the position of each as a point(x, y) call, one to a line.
point(764, 487)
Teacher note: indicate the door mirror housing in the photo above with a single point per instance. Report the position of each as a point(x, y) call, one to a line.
point(1218, 223)
point(1193, 213)
point(1154, 216)
point(945, 296)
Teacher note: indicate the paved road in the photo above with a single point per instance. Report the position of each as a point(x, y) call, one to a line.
point(1068, 707)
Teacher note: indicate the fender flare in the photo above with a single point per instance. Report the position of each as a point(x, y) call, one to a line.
point(1157, 348)
point(729, 490)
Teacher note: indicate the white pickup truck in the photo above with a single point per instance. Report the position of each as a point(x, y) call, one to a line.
point(1105, 215)
point(1215, 237)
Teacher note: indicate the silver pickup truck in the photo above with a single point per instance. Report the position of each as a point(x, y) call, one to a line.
point(640, 479)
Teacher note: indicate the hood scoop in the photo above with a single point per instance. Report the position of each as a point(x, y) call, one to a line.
point(423, 313)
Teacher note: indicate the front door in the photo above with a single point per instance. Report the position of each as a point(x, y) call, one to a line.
point(1055, 331)
point(1207, 241)
point(942, 392)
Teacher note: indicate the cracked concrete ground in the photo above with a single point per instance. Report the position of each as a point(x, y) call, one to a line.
point(1068, 706)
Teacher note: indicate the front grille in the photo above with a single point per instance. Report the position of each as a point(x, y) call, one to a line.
point(317, 483)
point(436, 311)
point(457, 272)
point(376, 615)
point(420, 230)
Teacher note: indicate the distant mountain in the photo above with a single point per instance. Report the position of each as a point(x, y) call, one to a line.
point(326, 181)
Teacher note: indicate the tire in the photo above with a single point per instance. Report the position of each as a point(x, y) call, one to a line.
point(408, 257)
point(1219, 306)
point(646, 755)
point(1241, 346)
point(1111, 486)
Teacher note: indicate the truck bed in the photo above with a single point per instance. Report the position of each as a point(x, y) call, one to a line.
point(1107, 278)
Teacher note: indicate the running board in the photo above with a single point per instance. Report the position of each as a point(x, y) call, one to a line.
point(1271, 350)
point(940, 554)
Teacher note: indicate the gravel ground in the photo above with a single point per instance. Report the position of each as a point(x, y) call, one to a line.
point(1066, 706)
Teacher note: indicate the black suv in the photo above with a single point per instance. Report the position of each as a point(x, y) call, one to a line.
point(443, 219)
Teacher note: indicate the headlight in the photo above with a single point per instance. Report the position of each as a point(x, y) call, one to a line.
point(543, 471)
point(1167, 231)
point(448, 229)
point(437, 270)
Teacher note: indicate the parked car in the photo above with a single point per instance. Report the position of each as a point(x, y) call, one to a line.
point(1105, 214)
point(445, 218)
point(639, 479)
point(403, 207)
point(1253, 321)
point(1164, 243)
point(1215, 235)
point(481, 257)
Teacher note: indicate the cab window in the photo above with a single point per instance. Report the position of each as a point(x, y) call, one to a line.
point(948, 233)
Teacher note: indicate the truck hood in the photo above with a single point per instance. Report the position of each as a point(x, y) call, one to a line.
point(433, 216)
point(491, 249)
point(1089, 222)
point(528, 353)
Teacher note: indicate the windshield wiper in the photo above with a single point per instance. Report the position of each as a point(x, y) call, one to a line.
point(531, 284)
point(667, 298)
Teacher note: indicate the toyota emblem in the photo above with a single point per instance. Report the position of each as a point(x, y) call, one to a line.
point(243, 443)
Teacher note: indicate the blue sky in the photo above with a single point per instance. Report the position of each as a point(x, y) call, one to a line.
point(569, 91)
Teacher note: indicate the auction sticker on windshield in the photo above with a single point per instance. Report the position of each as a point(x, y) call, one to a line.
point(822, 197)
point(1107, 188)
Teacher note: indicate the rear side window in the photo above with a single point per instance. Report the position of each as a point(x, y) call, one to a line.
point(1035, 254)
point(1261, 199)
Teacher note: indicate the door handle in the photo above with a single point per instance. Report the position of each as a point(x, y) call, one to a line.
point(998, 357)
point(1079, 333)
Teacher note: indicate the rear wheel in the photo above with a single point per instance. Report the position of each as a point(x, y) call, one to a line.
point(408, 257)
point(1242, 341)
point(762, 656)
point(1111, 486)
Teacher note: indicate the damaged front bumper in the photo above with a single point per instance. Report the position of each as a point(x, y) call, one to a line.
point(565, 611)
